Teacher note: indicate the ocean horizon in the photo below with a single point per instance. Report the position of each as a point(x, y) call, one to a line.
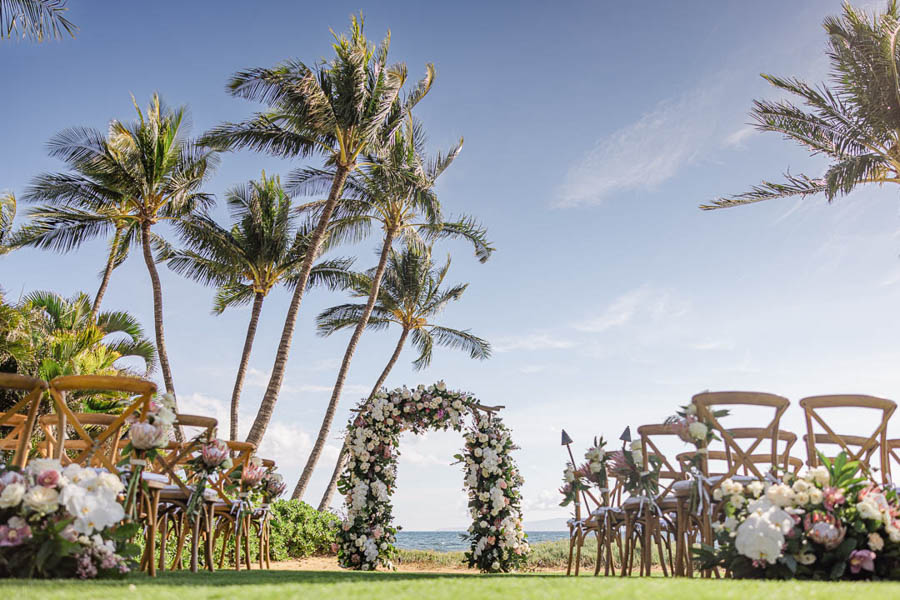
point(452, 541)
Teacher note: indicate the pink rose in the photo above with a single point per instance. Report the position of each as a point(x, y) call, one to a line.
point(48, 478)
point(834, 497)
point(503, 485)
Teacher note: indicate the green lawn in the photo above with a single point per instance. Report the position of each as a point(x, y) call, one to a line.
point(281, 585)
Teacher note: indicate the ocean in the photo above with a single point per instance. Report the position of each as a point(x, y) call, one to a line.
point(449, 541)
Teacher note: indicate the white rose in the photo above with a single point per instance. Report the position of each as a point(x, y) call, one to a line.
point(780, 495)
point(816, 497)
point(820, 475)
point(698, 430)
point(800, 486)
point(876, 542)
point(636, 445)
point(801, 498)
point(41, 499)
point(868, 510)
point(12, 495)
point(756, 488)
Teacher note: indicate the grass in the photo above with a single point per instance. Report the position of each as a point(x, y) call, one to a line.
point(285, 585)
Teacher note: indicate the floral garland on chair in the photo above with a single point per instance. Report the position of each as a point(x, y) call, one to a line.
point(366, 535)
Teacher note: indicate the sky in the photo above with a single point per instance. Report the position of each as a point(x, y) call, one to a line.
point(593, 131)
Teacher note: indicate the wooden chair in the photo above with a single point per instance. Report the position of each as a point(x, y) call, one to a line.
point(94, 445)
point(50, 446)
point(176, 493)
point(607, 522)
point(227, 522)
point(103, 448)
point(860, 448)
point(262, 521)
point(20, 426)
point(653, 519)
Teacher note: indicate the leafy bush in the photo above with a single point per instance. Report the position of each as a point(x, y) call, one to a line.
point(299, 530)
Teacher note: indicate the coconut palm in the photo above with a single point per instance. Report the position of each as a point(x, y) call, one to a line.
point(854, 120)
point(144, 172)
point(88, 195)
point(395, 193)
point(34, 20)
point(410, 297)
point(340, 109)
point(7, 216)
point(265, 247)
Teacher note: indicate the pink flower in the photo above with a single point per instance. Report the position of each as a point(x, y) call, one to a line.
point(12, 536)
point(824, 528)
point(377, 533)
point(146, 435)
point(48, 478)
point(252, 474)
point(214, 453)
point(834, 497)
point(862, 560)
point(490, 540)
point(503, 485)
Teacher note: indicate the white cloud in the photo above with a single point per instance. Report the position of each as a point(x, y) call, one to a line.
point(260, 379)
point(531, 341)
point(713, 345)
point(649, 151)
point(737, 138)
point(644, 301)
point(543, 500)
point(530, 369)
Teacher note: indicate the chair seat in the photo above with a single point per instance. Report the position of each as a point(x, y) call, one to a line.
point(632, 504)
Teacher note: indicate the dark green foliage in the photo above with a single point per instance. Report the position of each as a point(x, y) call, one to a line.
point(299, 530)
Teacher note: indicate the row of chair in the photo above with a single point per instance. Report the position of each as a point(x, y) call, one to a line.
point(759, 449)
point(41, 423)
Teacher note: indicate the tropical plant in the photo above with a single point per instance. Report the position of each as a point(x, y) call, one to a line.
point(66, 341)
point(264, 247)
point(7, 216)
point(34, 20)
point(411, 297)
point(396, 193)
point(854, 120)
point(79, 202)
point(144, 172)
point(341, 109)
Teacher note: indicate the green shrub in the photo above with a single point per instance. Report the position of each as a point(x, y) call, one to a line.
point(299, 530)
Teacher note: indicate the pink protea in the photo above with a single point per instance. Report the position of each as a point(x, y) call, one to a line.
point(618, 464)
point(214, 453)
point(862, 560)
point(252, 474)
point(824, 528)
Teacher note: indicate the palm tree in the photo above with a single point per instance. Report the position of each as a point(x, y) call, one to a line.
point(7, 216)
point(80, 200)
point(341, 109)
point(264, 248)
point(34, 19)
point(396, 193)
point(410, 296)
point(855, 121)
point(144, 172)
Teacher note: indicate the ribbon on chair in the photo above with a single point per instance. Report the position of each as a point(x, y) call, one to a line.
point(238, 507)
point(699, 483)
point(263, 512)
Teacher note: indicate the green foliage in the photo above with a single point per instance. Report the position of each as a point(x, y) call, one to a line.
point(853, 120)
point(299, 530)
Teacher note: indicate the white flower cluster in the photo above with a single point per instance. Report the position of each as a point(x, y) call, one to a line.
point(761, 535)
point(874, 506)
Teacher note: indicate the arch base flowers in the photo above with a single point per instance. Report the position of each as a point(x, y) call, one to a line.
point(497, 542)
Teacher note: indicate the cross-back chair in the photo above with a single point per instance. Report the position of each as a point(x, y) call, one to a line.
point(94, 445)
point(17, 423)
point(860, 448)
point(228, 520)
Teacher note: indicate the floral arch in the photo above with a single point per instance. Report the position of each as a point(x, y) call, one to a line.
point(367, 534)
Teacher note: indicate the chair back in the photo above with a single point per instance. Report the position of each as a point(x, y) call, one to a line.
point(93, 452)
point(740, 449)
point(112, 446)
point(180, 453)
point(242, 452)
point(861, 448)
point(17, 423)
point(669, 472)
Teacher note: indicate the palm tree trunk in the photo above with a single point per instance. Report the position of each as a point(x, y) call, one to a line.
point(158, 317)
point(332, 485)
point(267, 406)
point(345, 367)
point(245, 358)
point(107, 274)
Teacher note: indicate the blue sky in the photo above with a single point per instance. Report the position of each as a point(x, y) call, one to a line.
point(593, 130)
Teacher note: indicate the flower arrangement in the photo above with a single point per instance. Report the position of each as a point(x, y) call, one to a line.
point(627, 465)
point(272, 486)
point(213, 458)
point(62, 522)
point(696, 431)
point(497, 541)
point(827, 524)
point(145, 438)
point(573, 484)
point(366, 535)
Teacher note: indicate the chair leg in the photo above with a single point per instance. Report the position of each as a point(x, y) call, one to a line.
point(210, 537)
point(152, 510)
point(195, 539)
point(580, 541)
point(246, 526)
point(163, 541)
point(571, 551)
